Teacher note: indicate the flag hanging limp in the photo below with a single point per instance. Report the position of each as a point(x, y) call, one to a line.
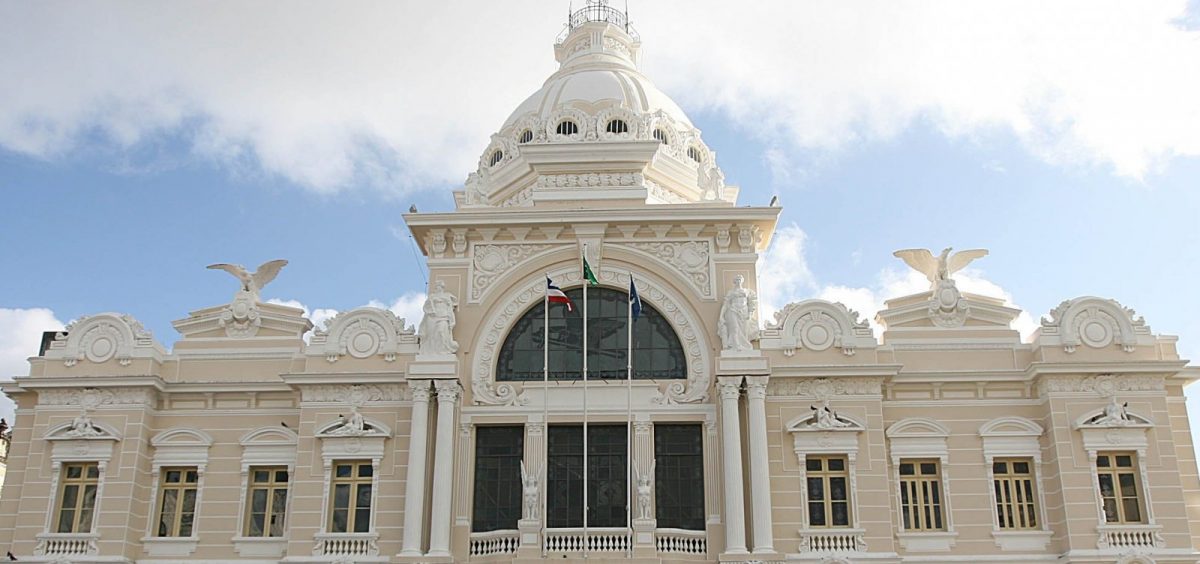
point(587, 273)
point(554, 294)
point(635, 301)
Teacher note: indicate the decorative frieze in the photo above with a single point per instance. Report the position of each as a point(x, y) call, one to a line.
point(1103, 385)
point(692, 259)
point(591, 180)
point(355, 394)
point(824, 388)
point(493, 260)
point(91, 398)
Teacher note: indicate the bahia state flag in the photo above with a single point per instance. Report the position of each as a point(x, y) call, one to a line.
point(635, 301)
point(554, 294)
point(587, 273)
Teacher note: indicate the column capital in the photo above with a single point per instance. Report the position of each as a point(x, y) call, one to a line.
point(730, 387)
point(420, 390)
point(642, 427)
point(447, 390)
point(756, 387)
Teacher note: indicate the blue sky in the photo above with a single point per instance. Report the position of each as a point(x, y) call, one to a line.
point(120, 180)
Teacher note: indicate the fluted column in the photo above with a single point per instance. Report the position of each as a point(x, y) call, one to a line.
point(760, 473)
point(414, 483)
point(448, 392)
point(731, 456)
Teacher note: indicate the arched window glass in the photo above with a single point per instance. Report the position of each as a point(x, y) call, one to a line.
point(617, 126)
point(526, 136)
point(695, 154)
point(657, 353)
point(567, 127)
point(661, 136)
point(497, 156)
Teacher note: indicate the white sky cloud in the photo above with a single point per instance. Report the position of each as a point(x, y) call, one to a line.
point(20, 335)
point(401, 95)
point(784, 277)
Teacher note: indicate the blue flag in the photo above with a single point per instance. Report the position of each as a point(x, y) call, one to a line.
point(635, 301)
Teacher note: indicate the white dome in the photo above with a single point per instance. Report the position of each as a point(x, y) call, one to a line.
point(595, 89)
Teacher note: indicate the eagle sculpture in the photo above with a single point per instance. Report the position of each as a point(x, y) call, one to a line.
point(253, 283)
point(940, 267)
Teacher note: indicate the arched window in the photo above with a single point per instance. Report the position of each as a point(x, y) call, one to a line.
point(497, 156)
point(526, 136)
point(617, 126)
point(695, 154)
point(661, 136)
point(657, 353)
point(566, 127)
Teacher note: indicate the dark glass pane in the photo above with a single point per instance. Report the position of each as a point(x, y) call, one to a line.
point(281, 476)
point(173, 476)
point(262, 476)
point(66, 520)
point(906, 469)
point(816, 489)
point(365, 470)
point(167, 512)
point(341, 496)
point(1125, 462)
point(70, 496)
point(185, 524)
point(256, 524)
point(841, 514)
point(928, 469)
point(1106, 485)
point(816, 514)
point(606, 476)
point(1102, 461)
point(1110, 510)
point(679, 476)
point(339, 521)
point(657, 351)
point(93, 471)
point(191, 476)
point(564, 501)
point(74, 472)
point(258, 501)
point(813, 464)
point(1127, 485)
point(497, 500)
point(363, 496)
point(836, 464)
point(362, 520)
point(1133, 514)
point(937, 517)
point(343, 471)
point(1000, 467)
point(1021, 467)
point(837, 488)
point(278, 511)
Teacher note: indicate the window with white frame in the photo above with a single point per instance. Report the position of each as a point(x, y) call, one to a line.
point(351, 496)
point(1117, 476)
point(77, 497)
point(919, 460)
point(1014, 488)
point(921, 496)
point(268, 461)
point(79, 453)
point(825, 441)
point(828, 486)
point(266, 507)
point(180, 458)
point(1012, 453)
point(177, 501)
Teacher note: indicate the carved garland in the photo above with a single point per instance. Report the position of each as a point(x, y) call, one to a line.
point(492, 260)
point(355, 394)
point(91, 398)
point(485, 390)
point(1103, 385)
point(824, 388)
point(691, 258)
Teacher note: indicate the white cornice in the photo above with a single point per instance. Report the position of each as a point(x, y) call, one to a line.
point(835, 370)
point(309, 378)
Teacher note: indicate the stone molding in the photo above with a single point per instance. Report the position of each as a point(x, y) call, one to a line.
point(1102, 385)
point(825, 388)
point(356, 395)
point(93, 398)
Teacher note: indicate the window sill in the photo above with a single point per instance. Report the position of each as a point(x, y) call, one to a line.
point(170, 546)
point(932, 541)
point(1022, 541)
point(260, 547)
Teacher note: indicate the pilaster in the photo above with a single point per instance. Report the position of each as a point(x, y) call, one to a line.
point(414, 482)
point(730, 388)
point(448, 393)
point(643, 485)
point(760, 474)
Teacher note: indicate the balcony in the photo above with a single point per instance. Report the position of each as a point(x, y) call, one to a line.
point(681, 542)
point(832, 540)
point(346, 545)
point(1130, 536)
point(495, 543)
point(598, 540)
point(67, 544)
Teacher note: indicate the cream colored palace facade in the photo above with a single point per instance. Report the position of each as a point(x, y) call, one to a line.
point(804, 437)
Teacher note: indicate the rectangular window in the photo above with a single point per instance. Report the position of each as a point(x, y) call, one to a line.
point(177, 508)
point(77, 497)
point(1013, 484)
point(1117, 472)
point(497, 500)
point(828, 484)
point(351, 499)
point(921, 495)
point(606, 469)
point(679, 476)
point(267, 501)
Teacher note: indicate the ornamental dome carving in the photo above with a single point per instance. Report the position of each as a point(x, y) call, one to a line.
point(639, 144)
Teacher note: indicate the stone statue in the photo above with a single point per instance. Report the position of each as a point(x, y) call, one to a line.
point(826, 418)
point(353, 426)
point(82, 426)
point(253, 283)
point(437, 327)
point(1114, 414)
point(736, 326)
point(529, 492)
point(940, 268)
point(644, 487)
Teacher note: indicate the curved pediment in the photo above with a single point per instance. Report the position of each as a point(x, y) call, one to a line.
point(917, 427)
point(817, 325)
point(1094, 322)
point(1011, 426)
point(353, 425)
point(104, 337)
point(1114, 415)
point(824, 418)
point(270, 436)
point(182, 437)
point(363, 333)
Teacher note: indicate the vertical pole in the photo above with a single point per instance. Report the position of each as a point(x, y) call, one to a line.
point(629, 485)
point(545, 462)
point(585, 404)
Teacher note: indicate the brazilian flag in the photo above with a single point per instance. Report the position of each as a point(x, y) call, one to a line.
point(588, 274)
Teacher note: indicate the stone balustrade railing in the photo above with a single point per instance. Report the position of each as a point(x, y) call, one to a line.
point(680, 541)
point(495, 542)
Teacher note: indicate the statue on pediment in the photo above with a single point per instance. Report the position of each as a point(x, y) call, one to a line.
point(1115, 415)
point(82, 426)
point(353, 426)
point(252, 284)
point(940, 268)
point(825, 417)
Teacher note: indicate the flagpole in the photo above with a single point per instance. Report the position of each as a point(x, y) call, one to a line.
point(629, 417)
point(586, 283)
point(545, 478)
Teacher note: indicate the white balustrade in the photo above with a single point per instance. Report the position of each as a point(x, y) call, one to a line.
point(346, 544)
point(614, 539)
point(832, 540)
point(66, 544)
point(495, 542)
point(680, 541)
point(1130, 536)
